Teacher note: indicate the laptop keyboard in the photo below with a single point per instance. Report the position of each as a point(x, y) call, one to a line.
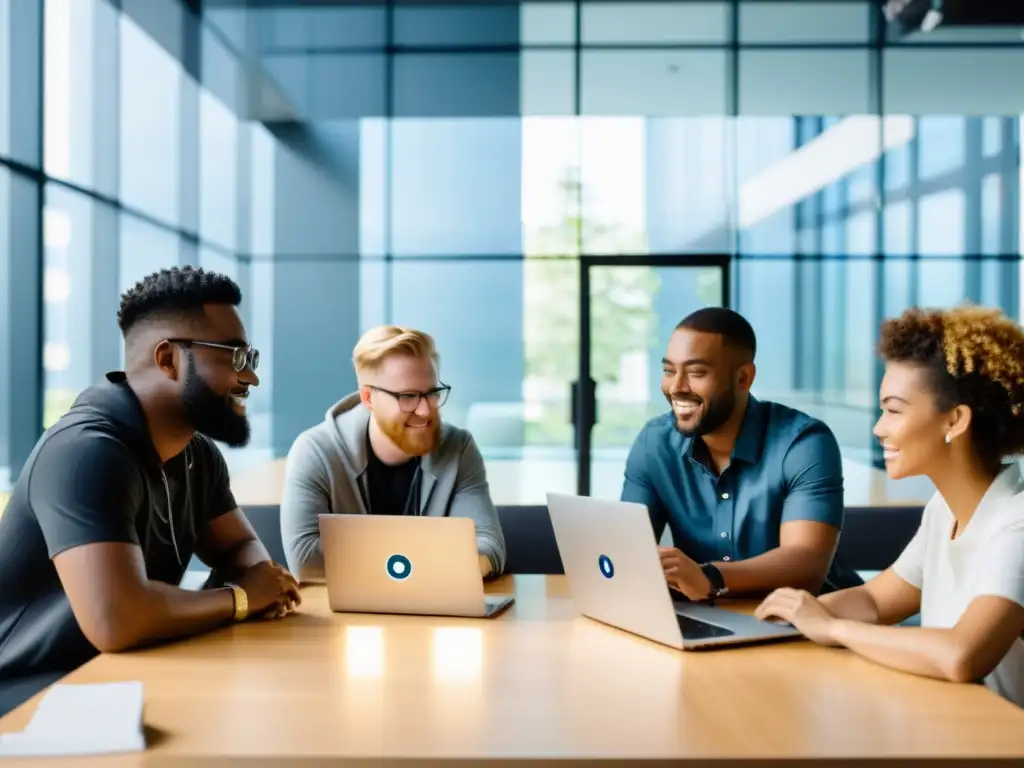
point(694, 629)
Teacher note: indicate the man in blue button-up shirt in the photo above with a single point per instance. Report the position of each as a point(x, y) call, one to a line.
point(752, 491)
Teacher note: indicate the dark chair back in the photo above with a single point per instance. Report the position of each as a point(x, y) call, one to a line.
point(873, 537)
point(530, 540)
point(14, 693)
point(266, 521)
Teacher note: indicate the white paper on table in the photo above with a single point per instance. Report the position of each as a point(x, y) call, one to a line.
point(95, 719)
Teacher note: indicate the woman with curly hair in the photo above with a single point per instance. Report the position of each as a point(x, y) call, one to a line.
point(952, 399)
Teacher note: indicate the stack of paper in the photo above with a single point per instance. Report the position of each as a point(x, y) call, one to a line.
point(82, 720)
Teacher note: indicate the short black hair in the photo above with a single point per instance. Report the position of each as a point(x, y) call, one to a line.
point(178, 291)
point(734, 329)
point(973, 356)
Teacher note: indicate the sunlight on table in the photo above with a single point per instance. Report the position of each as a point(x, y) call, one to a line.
point(458, 653)
point(627, 677)
point(364, 652)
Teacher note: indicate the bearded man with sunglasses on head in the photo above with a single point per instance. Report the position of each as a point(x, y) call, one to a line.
point(384, 451)
point(120, 493)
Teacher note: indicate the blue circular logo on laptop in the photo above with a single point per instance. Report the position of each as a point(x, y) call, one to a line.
point(605, 564)
point(399, 567)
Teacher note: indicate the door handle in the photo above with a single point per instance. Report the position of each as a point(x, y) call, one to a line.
point(587, 418)
point(590, 393)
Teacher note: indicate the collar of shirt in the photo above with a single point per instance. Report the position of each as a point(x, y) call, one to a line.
point(992, 509)
point(749, 443)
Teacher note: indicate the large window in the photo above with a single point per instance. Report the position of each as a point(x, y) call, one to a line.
point(5, 77)
point(219, 219)
point(455, 186)
point(68, 299)
point(6, 368)
point(20, 288)
point(21, 91)
point(432, 295)
point(145, 248)
point(152, 86)
point(81, 93)
point(80, 293)
point(450, 165)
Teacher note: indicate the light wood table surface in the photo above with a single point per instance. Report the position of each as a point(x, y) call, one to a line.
point(536, 683)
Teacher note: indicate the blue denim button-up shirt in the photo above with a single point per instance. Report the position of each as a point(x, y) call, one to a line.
point(785, 466)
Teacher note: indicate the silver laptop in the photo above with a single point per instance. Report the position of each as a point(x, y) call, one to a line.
point(402, 564)
point(611, 560)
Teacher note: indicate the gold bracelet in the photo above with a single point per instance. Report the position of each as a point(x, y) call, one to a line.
point(241, 602)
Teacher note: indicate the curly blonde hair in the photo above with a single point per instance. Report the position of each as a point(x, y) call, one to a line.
point(975, 357)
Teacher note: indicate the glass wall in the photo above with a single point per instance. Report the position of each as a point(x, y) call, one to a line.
point(20, 234)
point(447, 166)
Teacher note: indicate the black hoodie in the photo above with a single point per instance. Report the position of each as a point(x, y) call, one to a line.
point(95, 476)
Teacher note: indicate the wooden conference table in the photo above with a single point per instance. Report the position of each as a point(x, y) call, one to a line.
point(537, 684)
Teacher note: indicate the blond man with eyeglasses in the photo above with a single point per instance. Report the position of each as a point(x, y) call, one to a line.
point(384, 450)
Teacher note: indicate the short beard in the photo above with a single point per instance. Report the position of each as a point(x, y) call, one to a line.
point(718, 410)
point(411, 442)
point(211, 414)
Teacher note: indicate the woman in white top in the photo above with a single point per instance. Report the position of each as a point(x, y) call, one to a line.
point(952, 400)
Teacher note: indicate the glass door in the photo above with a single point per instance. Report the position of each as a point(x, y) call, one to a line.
point(629, 306)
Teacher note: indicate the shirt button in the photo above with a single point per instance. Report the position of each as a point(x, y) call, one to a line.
point(725, 495)
point(724, 535)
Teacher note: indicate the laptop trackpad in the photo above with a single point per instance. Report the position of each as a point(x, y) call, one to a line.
point(695, 629)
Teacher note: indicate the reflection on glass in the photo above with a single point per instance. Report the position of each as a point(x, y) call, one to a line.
point(218, 183)
point(991, 214)
point(845, 147)
point(68, 274)
point(364, 652)
point(58, 45)
point(5, 77)
point(941, 144)
point(486, 400)
point(151, 84)
point(455, 186)
point(458, 653)
point(145, 249)
point(263, 182)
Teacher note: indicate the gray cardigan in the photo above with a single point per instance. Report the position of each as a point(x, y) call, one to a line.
point(327, 462)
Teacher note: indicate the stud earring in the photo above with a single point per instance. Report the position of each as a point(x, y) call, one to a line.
point(948, 439)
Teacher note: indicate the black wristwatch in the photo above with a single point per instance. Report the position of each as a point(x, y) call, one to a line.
point(714, 576)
